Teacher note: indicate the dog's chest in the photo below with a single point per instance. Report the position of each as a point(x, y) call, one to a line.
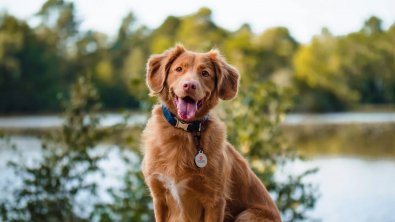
point(181, 199)
point(175, 189)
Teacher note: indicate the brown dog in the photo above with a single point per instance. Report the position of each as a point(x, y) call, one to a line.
point(189, 85)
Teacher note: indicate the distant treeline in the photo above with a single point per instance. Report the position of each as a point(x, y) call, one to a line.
point(331, 73)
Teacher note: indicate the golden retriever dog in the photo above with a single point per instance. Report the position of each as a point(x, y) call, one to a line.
point(193, 173)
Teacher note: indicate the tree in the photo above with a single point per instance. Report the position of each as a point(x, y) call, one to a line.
point(29, 73)
point(319, 76)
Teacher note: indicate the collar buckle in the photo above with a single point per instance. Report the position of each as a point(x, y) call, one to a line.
point(182, 125)
point(187, 126)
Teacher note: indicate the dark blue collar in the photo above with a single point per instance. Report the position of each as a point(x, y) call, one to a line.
point(174, 121)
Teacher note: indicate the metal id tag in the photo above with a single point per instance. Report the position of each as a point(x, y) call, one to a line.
point(200, 159)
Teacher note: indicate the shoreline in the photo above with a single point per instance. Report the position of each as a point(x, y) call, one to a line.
point(301, 129)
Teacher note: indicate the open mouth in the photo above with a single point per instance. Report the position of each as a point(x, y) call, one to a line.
point(187, 106)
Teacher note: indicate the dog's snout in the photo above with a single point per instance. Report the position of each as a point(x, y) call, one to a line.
point(189, 86)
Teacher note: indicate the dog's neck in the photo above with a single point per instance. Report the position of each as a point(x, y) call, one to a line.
point(174, 121)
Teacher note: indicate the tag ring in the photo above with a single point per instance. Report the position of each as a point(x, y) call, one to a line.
point(199, 147)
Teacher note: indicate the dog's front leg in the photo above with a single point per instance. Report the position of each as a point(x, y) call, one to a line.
point(215, 212)
point(160, 209)
point(157, 192)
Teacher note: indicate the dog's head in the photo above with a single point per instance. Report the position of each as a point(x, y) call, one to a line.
point(190, 84)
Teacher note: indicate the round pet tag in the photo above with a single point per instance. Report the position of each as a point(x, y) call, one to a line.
point(200, 159)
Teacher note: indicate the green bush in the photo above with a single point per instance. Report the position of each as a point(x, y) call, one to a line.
point(50, 188)
point(253, 119)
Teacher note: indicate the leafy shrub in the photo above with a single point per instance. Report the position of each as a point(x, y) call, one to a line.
point(52, 189)
point(252, 119)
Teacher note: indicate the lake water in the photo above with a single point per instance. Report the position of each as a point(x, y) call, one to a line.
point(354, 184)
point(352, 189)
point(291, 119)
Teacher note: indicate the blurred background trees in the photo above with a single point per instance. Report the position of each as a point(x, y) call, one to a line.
point(331, 73)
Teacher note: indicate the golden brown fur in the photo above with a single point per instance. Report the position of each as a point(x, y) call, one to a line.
point(225, 189)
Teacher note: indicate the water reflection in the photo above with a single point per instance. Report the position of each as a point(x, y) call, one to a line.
point(370, 141)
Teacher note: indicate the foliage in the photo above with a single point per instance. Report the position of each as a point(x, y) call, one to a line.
point(30, 74)
point(131, 202)
point(259, 139)
point(335, 73)
point(53, 187)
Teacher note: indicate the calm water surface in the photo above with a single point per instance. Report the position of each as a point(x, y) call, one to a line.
point(352, 189)
point(291, 119)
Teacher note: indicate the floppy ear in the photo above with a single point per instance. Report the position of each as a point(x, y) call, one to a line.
point(158, 68)
point(227, 76)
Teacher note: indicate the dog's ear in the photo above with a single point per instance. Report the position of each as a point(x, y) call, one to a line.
point(158, 68)
point(227, 76)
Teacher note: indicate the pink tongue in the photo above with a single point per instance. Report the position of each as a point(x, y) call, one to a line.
point(186, 109)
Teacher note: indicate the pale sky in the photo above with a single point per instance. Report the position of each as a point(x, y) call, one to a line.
point(304, 18)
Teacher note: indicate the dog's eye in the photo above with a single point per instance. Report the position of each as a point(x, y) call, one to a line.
point(205, 73)
point(179, 69)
